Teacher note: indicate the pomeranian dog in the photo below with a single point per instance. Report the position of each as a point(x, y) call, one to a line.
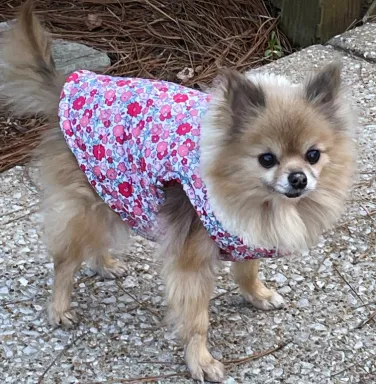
point(256, 168)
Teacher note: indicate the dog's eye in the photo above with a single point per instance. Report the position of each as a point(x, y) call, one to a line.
point(313, 156)
point(267, 160)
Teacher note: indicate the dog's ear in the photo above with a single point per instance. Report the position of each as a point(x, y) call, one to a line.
point(322, 88)
point(243, 97)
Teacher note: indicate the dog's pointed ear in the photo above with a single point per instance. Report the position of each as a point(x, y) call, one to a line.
point(323, 87)
point(243, 97)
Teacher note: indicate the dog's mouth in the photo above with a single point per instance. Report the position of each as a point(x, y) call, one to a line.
point(293, 195)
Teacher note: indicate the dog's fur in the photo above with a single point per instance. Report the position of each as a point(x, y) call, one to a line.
point(249, 115)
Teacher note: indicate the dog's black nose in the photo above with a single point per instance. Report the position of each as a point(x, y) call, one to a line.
point(298, 180)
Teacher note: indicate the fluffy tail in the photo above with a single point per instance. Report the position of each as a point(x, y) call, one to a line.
point(30, 84)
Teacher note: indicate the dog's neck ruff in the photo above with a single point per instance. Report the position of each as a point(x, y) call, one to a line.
point(133, 136)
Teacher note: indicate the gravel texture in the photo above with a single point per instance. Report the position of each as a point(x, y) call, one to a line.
point(330, 292)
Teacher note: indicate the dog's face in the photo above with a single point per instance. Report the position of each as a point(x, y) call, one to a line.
point(287, 148)
point(278, 158)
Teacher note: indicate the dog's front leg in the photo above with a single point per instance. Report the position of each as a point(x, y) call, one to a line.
point(189, 278)
point(253, 289)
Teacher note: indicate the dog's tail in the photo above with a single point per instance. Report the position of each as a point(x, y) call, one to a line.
point(31, 84)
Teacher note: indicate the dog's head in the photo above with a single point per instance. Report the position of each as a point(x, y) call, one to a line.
point(276, 152)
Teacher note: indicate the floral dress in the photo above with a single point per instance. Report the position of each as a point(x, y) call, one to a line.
point(132, 136)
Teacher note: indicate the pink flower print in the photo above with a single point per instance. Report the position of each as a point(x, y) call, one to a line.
point(165, 112)
point(134, 168)
point(180, 98)
point(137, 211)
point(184, 128)
point(79, 103)
point(156, 129)
point(125, 96)
point(84, 121)
point(108, 152)
point(149, 119)
point(134, 109)
point(120, 150)
point(88, 113)
point(115, 195)
point(104, 114)
point(162, 146)
point(183, 150)
point(195, 132)
point(117, 118)
point(66, 125)
point(93, 92)
point(162, 150)
point(125, 189)
point(136, 132)
point(155, 138)
point(190, 144)
point(110, 160)
point(166, 135)
point(163, 95)
point(118, 130)
point(89, 100)
point(121, 167)
point(139, 91)
point(149, 102)
point(198, 183)
point(184, 161)
point(141, 124)
point(194, 112)
point(97, 171)
point(73, 91)
point(122, 83)
point(72, 78)
point(110, 97)
point(111, 174)
point(98, 151)
point(192, 103)
point(107, 123)
point(147, 152)
point(143, 165)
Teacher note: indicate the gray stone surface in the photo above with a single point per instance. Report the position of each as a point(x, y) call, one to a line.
point(329, 291)
point(360, 41)
point(70, 56)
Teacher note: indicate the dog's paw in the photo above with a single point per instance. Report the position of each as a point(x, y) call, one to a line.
point(111, 268)
point(201, 363)
point(66, 319)
point(212, 370)
point(264, 298)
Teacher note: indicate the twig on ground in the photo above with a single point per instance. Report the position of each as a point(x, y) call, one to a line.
point(223, 294)
point(57, 357)
point(141, 304)
point(366, 321)
point(257, 355)
point(356, 294)
point(231, 363)
point(18, 218)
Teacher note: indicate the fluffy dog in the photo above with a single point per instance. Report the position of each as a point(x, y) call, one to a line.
point(275, 166)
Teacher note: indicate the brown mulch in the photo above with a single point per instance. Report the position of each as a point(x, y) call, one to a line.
point(164, 39)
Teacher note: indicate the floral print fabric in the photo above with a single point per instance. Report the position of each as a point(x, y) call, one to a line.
point(132, 136)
